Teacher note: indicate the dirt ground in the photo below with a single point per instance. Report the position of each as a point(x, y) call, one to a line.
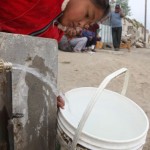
point(86, 69)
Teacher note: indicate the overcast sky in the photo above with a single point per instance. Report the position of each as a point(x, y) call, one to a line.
point(138, 11)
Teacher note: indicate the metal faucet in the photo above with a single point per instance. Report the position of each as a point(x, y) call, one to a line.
point(5, 66)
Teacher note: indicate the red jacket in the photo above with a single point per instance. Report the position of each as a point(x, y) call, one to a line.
point(28, 16)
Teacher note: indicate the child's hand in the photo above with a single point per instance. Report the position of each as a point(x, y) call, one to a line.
point(70, 32)
point(60, 102)
point(121, 13)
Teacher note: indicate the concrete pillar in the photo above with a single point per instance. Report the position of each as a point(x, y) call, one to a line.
point(33, 98)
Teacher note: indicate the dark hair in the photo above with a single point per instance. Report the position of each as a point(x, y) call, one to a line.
point(117, 6)
point(103, 4)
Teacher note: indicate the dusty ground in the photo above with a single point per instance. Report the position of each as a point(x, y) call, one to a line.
point(84, 69)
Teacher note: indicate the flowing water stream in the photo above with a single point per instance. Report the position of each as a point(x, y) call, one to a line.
point(35, 72)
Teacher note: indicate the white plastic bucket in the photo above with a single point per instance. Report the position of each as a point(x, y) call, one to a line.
point(100, 119)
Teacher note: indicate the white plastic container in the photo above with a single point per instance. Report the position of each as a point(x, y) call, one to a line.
point(100, 119)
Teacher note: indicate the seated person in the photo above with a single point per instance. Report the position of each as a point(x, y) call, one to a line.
point(76, 44)
point(64, 44)
point(91, 33)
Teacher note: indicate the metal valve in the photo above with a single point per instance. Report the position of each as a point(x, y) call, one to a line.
point(5, 66)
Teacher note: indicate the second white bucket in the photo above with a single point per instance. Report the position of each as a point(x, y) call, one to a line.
point(100, 119)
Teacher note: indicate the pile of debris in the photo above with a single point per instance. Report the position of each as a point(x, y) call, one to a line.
point(140, 43)
point(134, 40)
point(133, 32)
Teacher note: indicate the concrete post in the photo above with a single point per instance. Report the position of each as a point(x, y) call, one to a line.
point(35, 99)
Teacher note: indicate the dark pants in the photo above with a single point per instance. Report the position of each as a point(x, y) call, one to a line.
point(116, 36)
point(92, 41)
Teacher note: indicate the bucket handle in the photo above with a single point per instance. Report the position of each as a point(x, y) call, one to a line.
point(94, 100)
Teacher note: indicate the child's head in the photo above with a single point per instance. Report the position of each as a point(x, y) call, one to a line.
point(82, 12)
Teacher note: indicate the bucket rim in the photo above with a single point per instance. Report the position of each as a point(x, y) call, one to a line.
point(104, 139)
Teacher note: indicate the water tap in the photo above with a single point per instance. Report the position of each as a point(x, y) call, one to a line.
point(5, 66)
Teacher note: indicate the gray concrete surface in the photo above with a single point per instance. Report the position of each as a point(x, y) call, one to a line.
point(32, 97)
